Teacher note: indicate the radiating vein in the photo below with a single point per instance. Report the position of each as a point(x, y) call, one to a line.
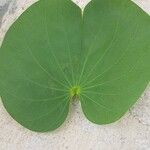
point(65, 105)
point(40, 85)
point(49, 112)
point(115, 79)
point(89, 51)
point(40, 66)
point(38, 63)
point(69, 49)
point(117, 61)
point(30, 99)
point(106, 50)
point(48, 40)
point(99, 93)
point(99, 104)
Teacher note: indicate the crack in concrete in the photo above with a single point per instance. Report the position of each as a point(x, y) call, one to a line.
point(138, 119)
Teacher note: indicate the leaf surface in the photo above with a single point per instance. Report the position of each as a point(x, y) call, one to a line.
point(116, 59)
point(52, 54)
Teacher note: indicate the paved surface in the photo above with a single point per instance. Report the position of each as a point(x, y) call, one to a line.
point(132, 132)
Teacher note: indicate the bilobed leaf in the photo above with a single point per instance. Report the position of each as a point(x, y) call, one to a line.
point(52, 54)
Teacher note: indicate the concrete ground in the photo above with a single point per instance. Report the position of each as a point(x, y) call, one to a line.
point(132, 132)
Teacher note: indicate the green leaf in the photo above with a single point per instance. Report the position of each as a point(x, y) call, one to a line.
point(52, 54)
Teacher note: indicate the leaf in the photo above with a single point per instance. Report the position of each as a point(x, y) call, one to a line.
point(52, 54)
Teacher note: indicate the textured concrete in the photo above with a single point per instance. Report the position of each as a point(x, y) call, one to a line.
point(132, 132)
